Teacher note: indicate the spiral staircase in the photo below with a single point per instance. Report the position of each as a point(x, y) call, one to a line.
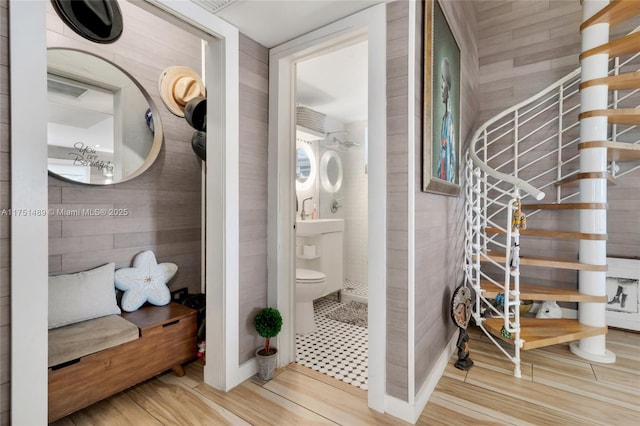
point(551, 156)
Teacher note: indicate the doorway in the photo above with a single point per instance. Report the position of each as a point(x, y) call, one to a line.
point(369, 25)
point(331, 182)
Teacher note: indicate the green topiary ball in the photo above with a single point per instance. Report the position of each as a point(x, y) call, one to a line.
point(268, 322)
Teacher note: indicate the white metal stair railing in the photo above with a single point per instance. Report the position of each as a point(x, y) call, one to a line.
point(627, 134)
point(520, 153)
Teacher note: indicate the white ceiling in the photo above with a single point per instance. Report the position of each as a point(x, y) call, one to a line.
point(272, 22)
point(334, 84)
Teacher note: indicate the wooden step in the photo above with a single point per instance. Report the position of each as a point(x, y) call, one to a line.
point(565, 206)
point(541, 332)
point(618, 47)
point(615, 12)
point(551, 234)
point(616, 151)
point(616, 82)
point(540, 292)
point(545, 262)
point(627, 116)
point(574, 179)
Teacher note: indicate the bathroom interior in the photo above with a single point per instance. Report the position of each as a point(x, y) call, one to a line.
point(332, 208)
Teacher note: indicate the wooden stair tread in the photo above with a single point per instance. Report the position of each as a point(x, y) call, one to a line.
point(546, 262)
point(573, 180)
point(615, 12)
point(551, 234)
point(616, 151)
point(618, 47)
point(541, 332)
point(625, 81)
point(565, 206)
point(540, 292)
point(628, 116)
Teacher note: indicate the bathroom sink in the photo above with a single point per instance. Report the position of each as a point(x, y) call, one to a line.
point(319, 226)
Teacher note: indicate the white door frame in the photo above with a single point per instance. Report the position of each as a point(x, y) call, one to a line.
point(369, 24)
point(29, 187)
point(29, 231)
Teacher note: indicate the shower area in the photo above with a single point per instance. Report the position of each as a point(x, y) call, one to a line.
point(351, 201)
point(332, 183)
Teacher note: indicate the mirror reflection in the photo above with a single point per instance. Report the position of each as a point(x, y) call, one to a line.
point(101, 126)
point(331, 171)
point(305, 166)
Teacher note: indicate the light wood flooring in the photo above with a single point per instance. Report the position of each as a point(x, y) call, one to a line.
point(556, 388)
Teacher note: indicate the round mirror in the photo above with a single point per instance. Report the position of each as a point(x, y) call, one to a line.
point(331, 171)
point(305, 166)
point(102, 127)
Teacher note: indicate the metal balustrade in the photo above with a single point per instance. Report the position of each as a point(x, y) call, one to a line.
point(521, 154)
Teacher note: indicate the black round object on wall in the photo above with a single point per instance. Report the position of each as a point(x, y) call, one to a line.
point(195, 112)
point(95, 20)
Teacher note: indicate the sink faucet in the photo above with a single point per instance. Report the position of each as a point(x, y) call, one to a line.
point(303, 215)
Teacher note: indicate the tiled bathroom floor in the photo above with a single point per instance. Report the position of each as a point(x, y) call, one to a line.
point(355, 290)
point(337, 349)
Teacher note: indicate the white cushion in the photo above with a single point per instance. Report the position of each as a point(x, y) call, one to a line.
point(82, 296)
point(145, 282)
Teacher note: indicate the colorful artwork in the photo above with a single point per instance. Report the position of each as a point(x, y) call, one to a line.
point(441, 136)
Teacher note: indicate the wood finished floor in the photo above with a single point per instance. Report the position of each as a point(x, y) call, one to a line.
point(556, 388)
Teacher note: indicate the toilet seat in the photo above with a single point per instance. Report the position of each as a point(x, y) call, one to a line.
point(308, 276)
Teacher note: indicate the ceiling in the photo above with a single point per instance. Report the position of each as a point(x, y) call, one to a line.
point(334, 84)
point(272, 22)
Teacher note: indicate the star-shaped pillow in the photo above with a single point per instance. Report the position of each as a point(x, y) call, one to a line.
point(145, 282)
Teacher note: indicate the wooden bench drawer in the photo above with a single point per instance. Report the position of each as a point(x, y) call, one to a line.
point(167, 339)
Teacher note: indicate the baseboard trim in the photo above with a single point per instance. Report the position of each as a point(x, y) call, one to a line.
point(405, 411)
point(244, 372)
point(399, 408)
point(423, 395)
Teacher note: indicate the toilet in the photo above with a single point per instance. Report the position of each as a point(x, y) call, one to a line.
point(309, 286)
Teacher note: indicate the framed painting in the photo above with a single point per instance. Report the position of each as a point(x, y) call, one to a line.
point(623, 295)
point(441, 102)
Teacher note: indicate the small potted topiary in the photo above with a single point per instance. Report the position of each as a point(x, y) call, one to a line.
point(268, 323)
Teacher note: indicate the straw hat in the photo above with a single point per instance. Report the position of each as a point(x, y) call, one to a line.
point(178, 85)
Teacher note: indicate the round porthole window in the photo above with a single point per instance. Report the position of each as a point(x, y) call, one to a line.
point(305, 166)
point(331, 171)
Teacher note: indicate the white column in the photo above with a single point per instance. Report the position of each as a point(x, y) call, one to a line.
point(593, 190)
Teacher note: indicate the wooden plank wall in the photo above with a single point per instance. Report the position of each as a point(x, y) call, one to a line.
point(439, 219)
point(397, 198)
point(523, 47)
point(254, 114)
point(164, 203)
point(439, 233)
point(5, 203)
